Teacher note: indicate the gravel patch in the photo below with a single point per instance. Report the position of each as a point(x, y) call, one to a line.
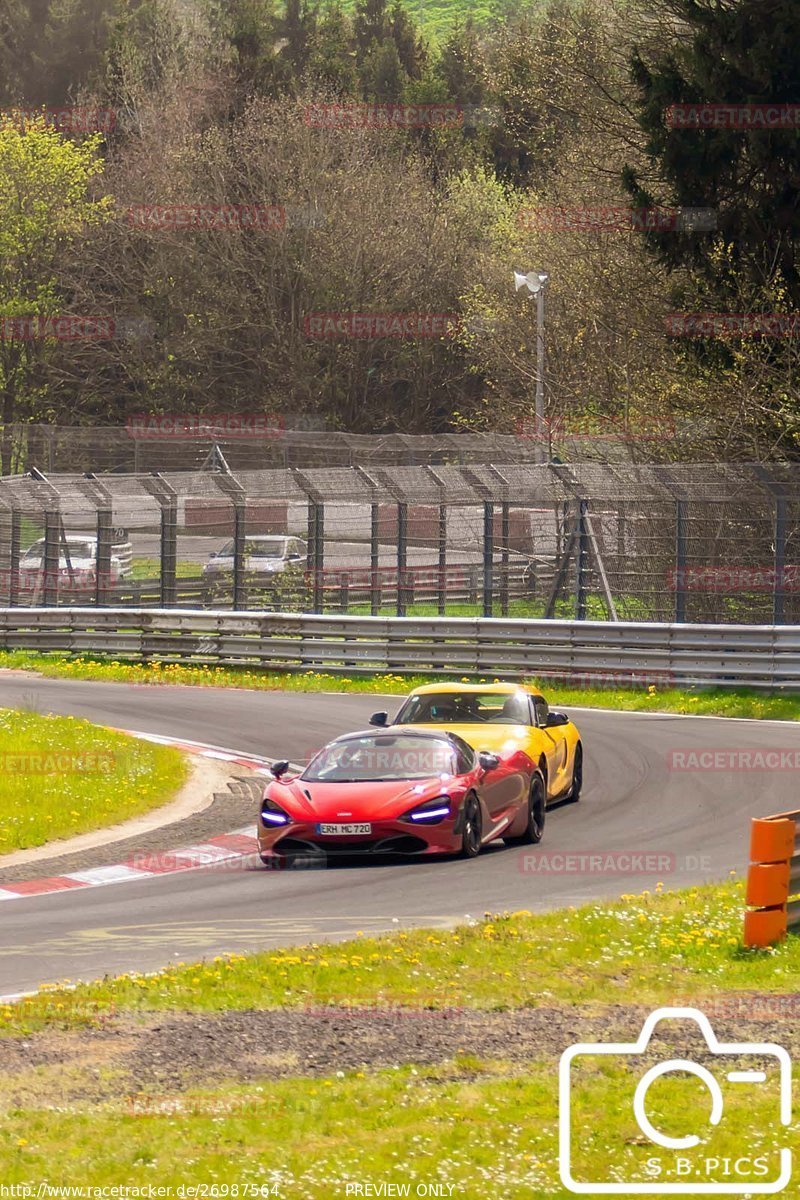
point(176, 1051)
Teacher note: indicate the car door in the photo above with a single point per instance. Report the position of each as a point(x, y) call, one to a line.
point(505, 787)
point(555, 748)
point(554, 745)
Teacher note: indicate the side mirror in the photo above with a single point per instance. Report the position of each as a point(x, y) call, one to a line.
point(379, 718)
point(489, 762)
point(213, 554)
point(556, 718)
point(279, 768)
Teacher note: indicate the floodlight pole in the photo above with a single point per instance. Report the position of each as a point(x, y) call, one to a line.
point(540, 454)
point(536, 282)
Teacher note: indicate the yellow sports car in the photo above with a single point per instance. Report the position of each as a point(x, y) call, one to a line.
point(503, 719)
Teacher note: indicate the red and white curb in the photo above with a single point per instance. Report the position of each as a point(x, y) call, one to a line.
point(225, 847)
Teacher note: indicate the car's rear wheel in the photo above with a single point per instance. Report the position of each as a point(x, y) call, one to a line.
point(472, 828)
point(537, 803)
point(577, 774)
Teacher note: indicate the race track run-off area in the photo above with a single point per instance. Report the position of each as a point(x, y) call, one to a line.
point(638, 808)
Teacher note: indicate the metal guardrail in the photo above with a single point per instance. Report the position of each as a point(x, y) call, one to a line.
point(582, 652)
point(773, 879)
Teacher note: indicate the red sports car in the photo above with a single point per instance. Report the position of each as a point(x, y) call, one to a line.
point(402, 790)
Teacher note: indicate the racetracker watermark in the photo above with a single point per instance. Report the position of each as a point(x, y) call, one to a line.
point(765, 759)
point(74, 328)
point(618, 218)
point(453, 576)
point(209, 858)
point(195, 1106)
point(589, 680)
point(55, 762)
point(34, 579)
point(732, 325)
point(402, 116)
point(231, 426)
point(754, 1006)
point(64, 120)
point(595, 428)
point(726, 580)
point(396, 756)
point(364, 326)
point(43, 1190)
point(403, 1006)
point(733, 116)
point(311, 860)
point(612, 862)
point(270, 217)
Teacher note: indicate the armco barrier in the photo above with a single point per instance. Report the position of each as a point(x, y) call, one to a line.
point(772, 879)
point(761, 656)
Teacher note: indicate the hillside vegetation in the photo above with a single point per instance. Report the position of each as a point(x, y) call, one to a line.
point(237, 211)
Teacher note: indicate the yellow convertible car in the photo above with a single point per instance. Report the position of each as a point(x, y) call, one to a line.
point(502, 719)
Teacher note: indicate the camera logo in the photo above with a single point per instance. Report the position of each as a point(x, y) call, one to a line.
point(661, 1160)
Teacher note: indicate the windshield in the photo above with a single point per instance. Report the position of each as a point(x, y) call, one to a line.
point(375, 758)
point(268, 548)
point(75, 550)
point(465, 708)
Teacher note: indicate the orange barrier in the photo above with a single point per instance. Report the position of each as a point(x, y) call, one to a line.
point(772, 878)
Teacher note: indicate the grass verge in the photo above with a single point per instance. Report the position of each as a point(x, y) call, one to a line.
point(693, 701)
point(474, 1129)
point(100, 777)
point(469, 1126)
point(662, 946)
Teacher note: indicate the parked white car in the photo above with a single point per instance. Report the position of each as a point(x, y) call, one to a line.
point(77, 565)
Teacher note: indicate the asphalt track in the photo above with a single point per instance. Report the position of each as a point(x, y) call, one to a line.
point(632, 801)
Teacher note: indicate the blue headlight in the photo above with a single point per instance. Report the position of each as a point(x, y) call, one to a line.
point(429, 813)
point(273, 814)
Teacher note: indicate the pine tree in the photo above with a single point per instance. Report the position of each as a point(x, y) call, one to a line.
point(145, 49)
point(726, 53)
point(383, 79)
point(461, 65)
point(14, 28)
point(73, 49)
point(298, 31)
point(406, 37)
point(370, 26)
point(246, 34)
point(332, 58)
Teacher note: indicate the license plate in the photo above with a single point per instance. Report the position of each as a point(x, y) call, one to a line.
point(343, 830)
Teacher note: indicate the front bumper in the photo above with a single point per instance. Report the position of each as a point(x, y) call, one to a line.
point(387, 838)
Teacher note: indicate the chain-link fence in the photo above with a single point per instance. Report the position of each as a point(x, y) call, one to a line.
point(190, 443)
point(700, 543)
point(247, 443)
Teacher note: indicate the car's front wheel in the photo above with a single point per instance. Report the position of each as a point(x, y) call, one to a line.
point(472, 828)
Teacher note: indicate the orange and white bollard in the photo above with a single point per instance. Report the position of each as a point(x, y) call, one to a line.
point(770, 878)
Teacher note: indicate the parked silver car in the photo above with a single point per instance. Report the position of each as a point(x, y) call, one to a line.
point(265, 554)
